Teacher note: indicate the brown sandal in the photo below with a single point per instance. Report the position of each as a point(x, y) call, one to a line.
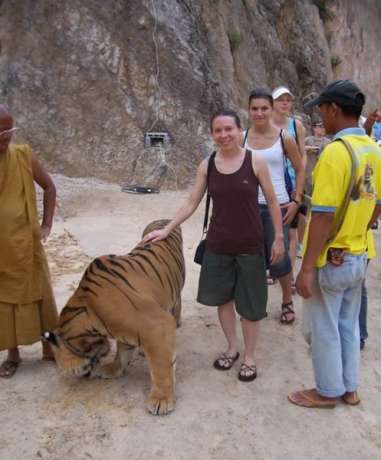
point(311, 399)
point(9, 368)
point(287, 310)
point(351, 398)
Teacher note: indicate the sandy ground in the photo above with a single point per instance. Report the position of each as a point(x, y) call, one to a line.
point(45, 415)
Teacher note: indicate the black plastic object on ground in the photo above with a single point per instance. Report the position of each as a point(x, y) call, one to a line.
point(139, 189)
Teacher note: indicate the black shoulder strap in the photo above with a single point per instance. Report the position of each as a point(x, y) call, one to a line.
point(296, 132)
point(282, 142)
point(210, 163)
point(244, 140)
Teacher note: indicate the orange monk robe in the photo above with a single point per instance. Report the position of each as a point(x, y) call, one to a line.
point(27, 306)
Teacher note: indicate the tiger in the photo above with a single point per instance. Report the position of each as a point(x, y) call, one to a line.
point(134, 299)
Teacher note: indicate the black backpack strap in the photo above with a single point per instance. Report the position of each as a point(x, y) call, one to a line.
point(296, 132)
point(210, 163)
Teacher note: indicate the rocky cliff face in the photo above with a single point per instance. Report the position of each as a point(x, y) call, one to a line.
point(87, 80)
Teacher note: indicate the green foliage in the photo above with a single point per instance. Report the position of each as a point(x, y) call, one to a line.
point(335, 60)
point(235, 39)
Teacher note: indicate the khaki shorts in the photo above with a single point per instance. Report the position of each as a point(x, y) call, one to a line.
point(241, 278)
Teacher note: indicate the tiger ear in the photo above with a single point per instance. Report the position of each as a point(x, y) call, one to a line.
point(50, 337)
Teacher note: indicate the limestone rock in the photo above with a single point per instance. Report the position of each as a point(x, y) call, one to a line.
point(87, 80)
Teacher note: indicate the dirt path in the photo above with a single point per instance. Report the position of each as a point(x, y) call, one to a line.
point(45, 415)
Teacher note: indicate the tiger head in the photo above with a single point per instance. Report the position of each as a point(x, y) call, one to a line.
point(77, 344)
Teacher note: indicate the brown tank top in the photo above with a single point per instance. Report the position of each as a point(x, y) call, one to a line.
point(235, 226)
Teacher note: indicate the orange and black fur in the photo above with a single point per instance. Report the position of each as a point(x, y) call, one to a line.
point(134, 299)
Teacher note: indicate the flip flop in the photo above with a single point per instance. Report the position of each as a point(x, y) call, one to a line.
point(247, 373)
point(287, 310)
point(311, 399)
point(9, 368)
point(229, 360)
point(351, 398)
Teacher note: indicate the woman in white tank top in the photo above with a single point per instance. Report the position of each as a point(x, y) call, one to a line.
point(264, 138)
point(283, 101)
point(275, 162)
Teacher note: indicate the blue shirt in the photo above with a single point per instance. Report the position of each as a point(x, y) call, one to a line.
point(376, 131)
point(291, 130)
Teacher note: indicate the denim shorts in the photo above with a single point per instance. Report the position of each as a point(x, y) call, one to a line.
point(283, 267)
point(240, 277)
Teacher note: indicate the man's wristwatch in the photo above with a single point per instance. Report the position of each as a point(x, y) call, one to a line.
point(296, 201)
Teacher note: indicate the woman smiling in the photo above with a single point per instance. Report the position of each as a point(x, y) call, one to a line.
point(233, 272)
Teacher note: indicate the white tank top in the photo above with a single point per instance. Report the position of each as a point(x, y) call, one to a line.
point(275, 162)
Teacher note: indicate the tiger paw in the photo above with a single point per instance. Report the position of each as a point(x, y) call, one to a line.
point(160, 405)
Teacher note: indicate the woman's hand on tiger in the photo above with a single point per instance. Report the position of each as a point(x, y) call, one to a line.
point(156, 235)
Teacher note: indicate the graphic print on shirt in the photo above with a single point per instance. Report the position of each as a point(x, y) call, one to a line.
point(365, 186)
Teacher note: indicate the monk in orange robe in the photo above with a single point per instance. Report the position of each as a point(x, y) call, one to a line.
point(27, 306)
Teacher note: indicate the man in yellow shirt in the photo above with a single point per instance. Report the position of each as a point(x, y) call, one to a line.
point(27, 306)
point(334, 266)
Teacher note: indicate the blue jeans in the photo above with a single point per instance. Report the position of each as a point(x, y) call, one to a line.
point(333, 319)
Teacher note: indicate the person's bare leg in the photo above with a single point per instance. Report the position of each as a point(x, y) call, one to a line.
point(227, 317)
point(9, 366)
point(301, 226)
point(286, 285)
point(250, 331)
point(293, 237)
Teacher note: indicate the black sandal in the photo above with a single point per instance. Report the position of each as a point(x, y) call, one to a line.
point(287, 310)
point(225, 362)
point(247, 373)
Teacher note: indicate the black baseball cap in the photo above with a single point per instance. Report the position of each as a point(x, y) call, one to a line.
point(343, 92)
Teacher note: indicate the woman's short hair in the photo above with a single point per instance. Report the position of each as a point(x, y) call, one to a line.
point(261, 93)
point(225, 113)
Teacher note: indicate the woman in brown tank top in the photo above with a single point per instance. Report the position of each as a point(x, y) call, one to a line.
point(233, 272)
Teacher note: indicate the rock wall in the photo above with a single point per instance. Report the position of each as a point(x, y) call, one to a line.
point(351, 30)
point(87, 80)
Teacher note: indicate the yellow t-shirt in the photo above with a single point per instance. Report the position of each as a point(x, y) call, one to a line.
point(331, 177)
point(371, 249)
